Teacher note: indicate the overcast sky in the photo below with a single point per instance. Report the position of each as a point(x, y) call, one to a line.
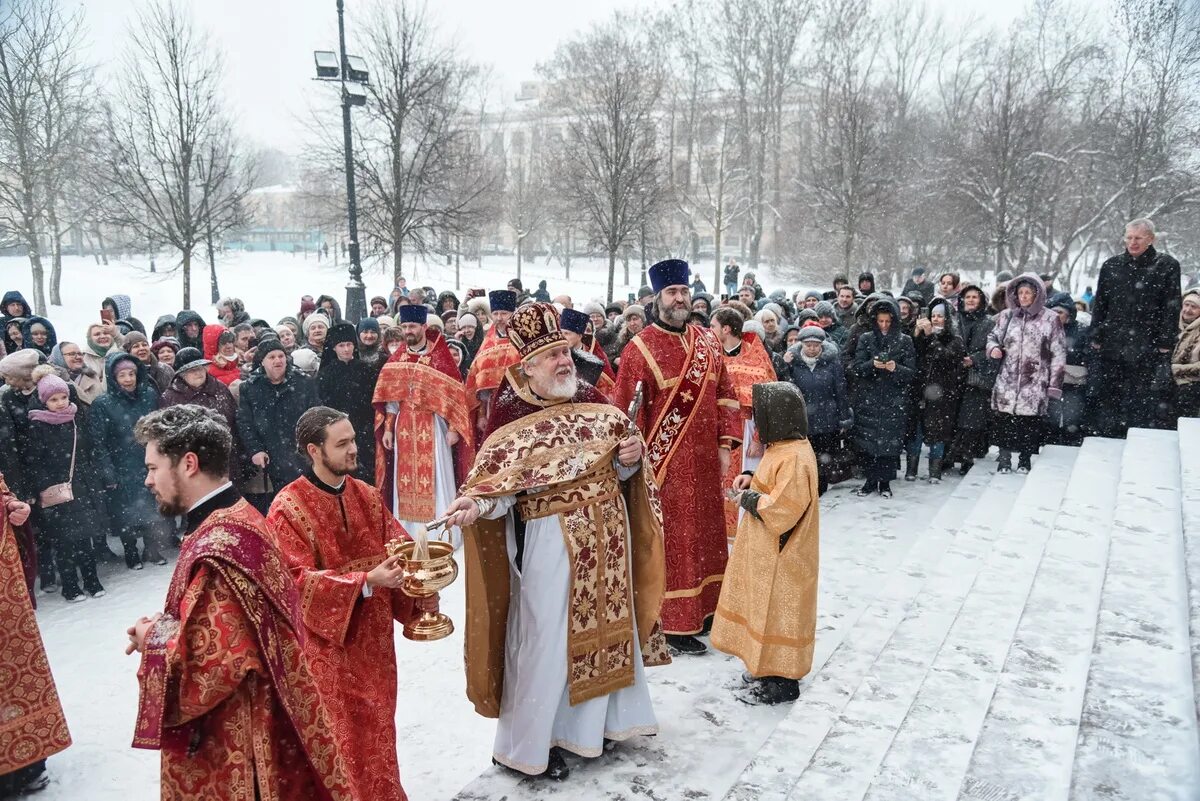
point(268, 44)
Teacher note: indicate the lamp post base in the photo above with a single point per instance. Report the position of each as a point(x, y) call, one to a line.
point(356, 301)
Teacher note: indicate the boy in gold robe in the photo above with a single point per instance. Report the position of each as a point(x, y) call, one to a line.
point(767, 613)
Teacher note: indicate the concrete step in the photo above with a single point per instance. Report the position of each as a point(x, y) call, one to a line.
point(1027, 745)
point(1189, 458)
point(845, 760)
point(932, 748)
point(824, 694)
point(1138, 735)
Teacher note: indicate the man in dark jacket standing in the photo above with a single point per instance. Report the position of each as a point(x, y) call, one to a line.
point(1134, 324)
point(269, 404)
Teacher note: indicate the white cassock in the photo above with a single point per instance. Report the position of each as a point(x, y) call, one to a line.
point(444, 485)
point(535, 710)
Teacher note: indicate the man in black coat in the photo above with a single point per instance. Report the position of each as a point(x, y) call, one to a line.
point(271, 401)
point(1134, 324)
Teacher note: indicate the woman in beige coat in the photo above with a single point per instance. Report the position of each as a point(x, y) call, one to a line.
point(767, 612)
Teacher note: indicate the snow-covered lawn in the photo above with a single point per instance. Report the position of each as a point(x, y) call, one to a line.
point(271, 284)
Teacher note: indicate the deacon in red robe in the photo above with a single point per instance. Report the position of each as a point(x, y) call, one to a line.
point(331, 528)
point(423, 431)
point(226, 694)
point(591, 367)
point(691, 420)
point(32, 726)
point(495, 356)
point(748, 363)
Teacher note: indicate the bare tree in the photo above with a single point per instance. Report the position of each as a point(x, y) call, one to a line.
point(43, 107)
point(526, 204)
point(422, 178)
point(169, 136)
point(607, 85)
point(759, 45)
point(714, 194)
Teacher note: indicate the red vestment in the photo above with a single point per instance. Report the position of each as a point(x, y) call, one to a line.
point(422, 385)
point(750, 365)
point(689, 410)
point(225, 690)
point(331, 541)
point(495, 356)
point(608, 379)
point(32, 725)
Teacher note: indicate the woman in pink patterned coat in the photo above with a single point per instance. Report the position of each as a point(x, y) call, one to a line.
point(1028, 340)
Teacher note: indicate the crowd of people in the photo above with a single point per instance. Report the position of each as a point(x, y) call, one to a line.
point(742, 409)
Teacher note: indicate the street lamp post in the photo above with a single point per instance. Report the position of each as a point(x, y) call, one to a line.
point(351, 73)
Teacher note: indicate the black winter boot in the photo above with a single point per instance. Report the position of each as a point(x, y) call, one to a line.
point(935, 471)
point(911, 463)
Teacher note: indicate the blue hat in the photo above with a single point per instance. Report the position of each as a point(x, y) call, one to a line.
point(368, 324)
point(414, 313)
point(672, 272)
point(571, 320)
point(502, 300)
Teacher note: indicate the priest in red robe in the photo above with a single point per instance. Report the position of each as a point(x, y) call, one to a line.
point(32, 726)
point(331, 528)
point(591, 367)
point(226, 694)
point(692, 421)
point(495, 356)
point(748, 363)
point(423, 432)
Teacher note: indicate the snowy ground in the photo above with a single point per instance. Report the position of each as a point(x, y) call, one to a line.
point(271, 284)
point(444, 748)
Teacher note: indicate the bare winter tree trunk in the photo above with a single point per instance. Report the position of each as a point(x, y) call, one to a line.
point(187, 279)
point(214, 290)
point(55, 253)
point(612, 272)
point(39, 281)
point(100, 247)
point(520, 242)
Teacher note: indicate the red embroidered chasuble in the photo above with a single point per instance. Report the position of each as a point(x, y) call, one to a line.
point(225, 690)
point(751, 365)
point(331, 541)
point(32, 725)
point(689, 410)
point(608, 379)
point(422, 385)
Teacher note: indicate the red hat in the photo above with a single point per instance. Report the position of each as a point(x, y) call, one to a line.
point(534, 328)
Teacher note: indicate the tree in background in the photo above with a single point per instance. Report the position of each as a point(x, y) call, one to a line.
point(607, 84)
point(174, 173)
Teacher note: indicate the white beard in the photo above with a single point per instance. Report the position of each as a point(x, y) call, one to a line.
point(564, 388)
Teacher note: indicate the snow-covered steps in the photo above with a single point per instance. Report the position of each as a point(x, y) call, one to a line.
point(845, 762)
point(1138, 735)
point(706, 736)
point(932, 748)
point(1027, 745)
point(830, 686)
point(1189, 458)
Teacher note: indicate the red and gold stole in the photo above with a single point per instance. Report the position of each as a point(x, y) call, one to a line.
point(230, 543)
point(751, 366)
point(559, 458)
point(495, 356)
point(421, 384)
point(674, 419)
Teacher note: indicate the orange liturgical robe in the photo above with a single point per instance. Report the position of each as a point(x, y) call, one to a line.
point(496, 355)
point(331, 538)
point(225, 691)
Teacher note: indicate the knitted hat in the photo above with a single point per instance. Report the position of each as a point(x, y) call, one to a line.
point(131, 339)
point(306, 361)
point(189, 358)
point(825, 309)
point(632, 310)
point(812, 333)
point(266, 347)
point(48, 382)
point(592, 307)
point(368, 324)
point(315, 317)
point(20, 365)
point(468, 319)
point(165, 342)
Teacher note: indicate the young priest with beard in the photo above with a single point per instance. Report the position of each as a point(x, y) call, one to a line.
point(226, 694)
point(331, 528)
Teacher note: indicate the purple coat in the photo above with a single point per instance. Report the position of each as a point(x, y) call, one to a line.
point(1035, 353)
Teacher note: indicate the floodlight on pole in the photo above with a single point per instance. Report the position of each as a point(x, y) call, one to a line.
point(356, 68)
point(327, 64)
